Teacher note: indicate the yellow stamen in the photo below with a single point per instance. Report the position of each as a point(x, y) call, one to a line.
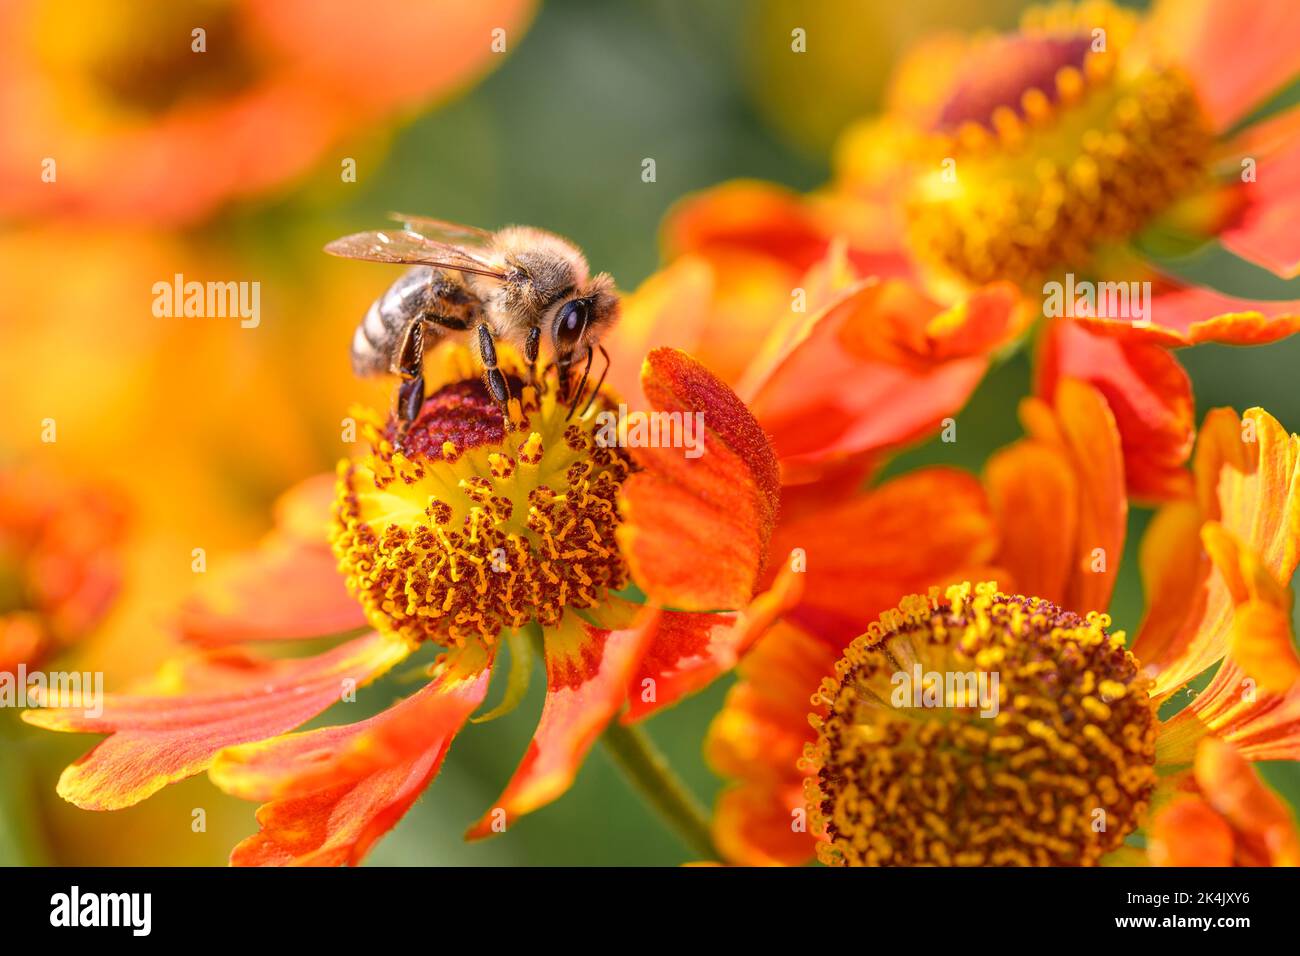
point(1084, 157)
point(1055, 766)
point(475, 528)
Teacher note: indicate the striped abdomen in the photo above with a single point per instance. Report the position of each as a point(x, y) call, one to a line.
point(440, 298)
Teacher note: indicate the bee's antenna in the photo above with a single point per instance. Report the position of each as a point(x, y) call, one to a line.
point(599, 382)
point(582, 383)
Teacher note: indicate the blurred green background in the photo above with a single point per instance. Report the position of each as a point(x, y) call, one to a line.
point(556, 137)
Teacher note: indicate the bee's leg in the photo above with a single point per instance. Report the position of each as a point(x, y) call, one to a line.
point(599, 382)
point(496, 382)
point(532, 345)
point(582, 384)
point(409, 364)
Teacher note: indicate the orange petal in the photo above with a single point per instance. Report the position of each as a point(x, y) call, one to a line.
point(336, 790)
point(1187, 832)
point(1190, 315)
point(284, 590)
point(746, 214)
point(1032, 487)
point(670, 308)
point(302, 763)
point(688, 651)
point(336, 826)
point(881, 367)
point(755, 825)
point(1260, 724)
point(1261, 641)
point(1263, 230)
point(587, 672)
point(1247, 479)
point(1175, 578)
point(1085, 431)
point(1266, 834)
point(760, 733)
point(287, 588)
point(1148, 393)
point(696, 530)
point(155, 741)
point(926, 528)
point(1237, 58)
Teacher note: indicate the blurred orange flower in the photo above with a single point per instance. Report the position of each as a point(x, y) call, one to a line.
point(164, 112)
point(1054, 522)
point(60, 562)
point(1052, 150)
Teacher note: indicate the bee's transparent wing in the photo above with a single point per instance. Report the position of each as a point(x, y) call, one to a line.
point(411, 248)
point(443, 231)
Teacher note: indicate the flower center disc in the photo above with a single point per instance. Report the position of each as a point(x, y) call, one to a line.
point(472, 528)
point(925, 758)
point(1043, 152)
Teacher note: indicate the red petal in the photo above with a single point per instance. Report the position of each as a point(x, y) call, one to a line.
point(687, 651)
point(155, 741)
point(587, 670)
point(336, 790)
point(1148, 392)
point(1263, 230)
point(696, 529)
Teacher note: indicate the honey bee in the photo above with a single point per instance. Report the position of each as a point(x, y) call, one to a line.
point(511, 285)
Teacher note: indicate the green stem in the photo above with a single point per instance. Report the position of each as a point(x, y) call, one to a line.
point(646, 769)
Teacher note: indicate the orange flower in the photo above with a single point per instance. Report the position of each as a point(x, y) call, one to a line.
point(1073, 737)
point(473, 538)
point(144, 118)
point(840, 360)
point(60, 565)
point(1065, 148)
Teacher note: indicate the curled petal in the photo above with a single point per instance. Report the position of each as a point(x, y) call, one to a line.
point(332, 792)
point(880, 367)
point(158, 740)
point(1248, 481)
point(587, 671)
point(696, 529)
point(1261, 641)
point(1191, 315)
point(1148, 392)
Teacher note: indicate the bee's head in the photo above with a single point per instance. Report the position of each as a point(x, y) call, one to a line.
point(581, 320)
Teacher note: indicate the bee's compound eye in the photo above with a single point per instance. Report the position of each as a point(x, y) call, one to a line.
point(570, 324)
